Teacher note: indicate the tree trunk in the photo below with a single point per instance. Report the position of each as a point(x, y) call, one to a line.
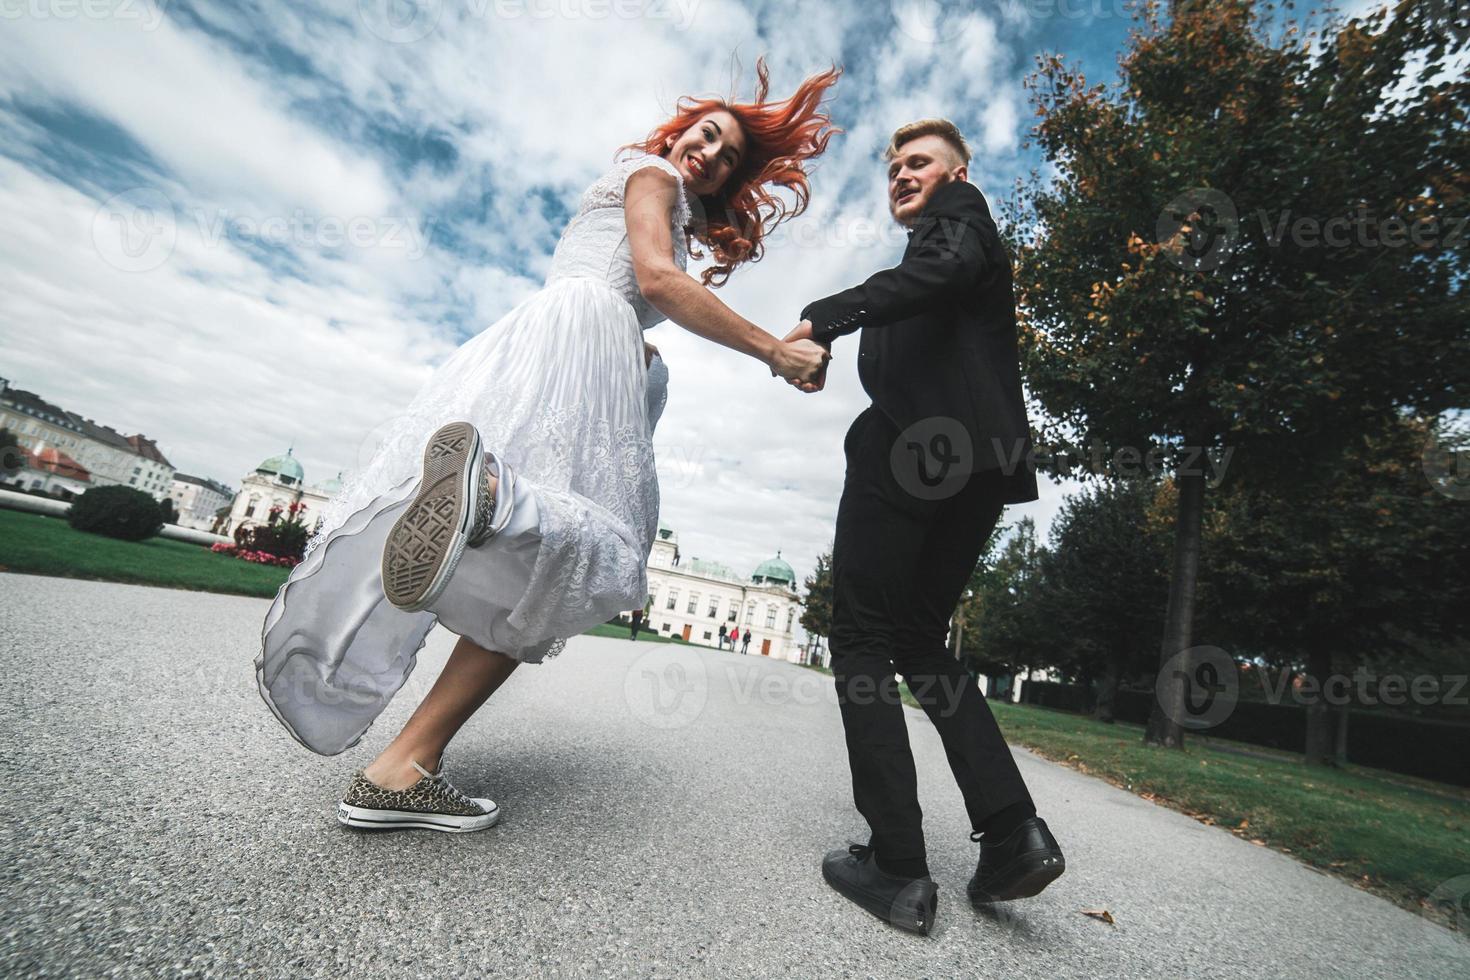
point(1340, 753)
point(1107, 692)
point(1320, 741)
point(1163, 727)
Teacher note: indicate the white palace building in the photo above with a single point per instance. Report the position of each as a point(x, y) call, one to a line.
point(691, 599)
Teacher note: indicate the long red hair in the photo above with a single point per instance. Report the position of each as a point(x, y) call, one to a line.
point(780, 137)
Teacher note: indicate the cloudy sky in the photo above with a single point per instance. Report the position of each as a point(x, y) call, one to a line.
point(237, 227)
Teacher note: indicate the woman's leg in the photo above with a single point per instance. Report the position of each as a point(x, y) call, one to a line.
point(469, 677)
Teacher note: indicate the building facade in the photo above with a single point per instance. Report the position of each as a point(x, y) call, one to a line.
point(278, 482)
point(109, 457)
point(694, 599)
point(197, 500)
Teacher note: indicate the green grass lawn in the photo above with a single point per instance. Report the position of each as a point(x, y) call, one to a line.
point(1397, 836)
point(621, 633)
point(43, 545)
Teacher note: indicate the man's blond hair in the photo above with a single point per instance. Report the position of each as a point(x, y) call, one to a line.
point(942, 128)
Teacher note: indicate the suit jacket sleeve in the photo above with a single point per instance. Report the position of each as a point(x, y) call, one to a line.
point(950, 249)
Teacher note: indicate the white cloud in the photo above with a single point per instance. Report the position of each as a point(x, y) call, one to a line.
point(242, 342)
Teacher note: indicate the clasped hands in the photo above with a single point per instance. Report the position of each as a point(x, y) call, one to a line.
point(801, 361)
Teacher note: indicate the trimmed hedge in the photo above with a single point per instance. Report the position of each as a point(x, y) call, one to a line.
point(1429, 749)
point(116, 512)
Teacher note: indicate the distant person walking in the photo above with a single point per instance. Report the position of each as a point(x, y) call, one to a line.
point(637, 621)
point(745, 642)
point(723, 634)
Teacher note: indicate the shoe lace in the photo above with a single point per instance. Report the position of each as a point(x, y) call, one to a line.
point(860, 851)
point(440, 780)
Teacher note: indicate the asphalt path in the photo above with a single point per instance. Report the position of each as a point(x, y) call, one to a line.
point(666, 811)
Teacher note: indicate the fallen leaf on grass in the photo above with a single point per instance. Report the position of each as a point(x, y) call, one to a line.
point(1102, 915)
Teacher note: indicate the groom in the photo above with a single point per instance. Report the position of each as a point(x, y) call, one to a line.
point(931, 463)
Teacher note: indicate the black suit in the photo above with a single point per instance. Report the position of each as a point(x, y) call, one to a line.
point(939, 336)
point(930, 466)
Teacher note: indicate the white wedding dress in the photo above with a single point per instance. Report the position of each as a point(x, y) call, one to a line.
point(560, 393)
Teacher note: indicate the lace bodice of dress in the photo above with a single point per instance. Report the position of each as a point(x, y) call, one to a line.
point(595, 242)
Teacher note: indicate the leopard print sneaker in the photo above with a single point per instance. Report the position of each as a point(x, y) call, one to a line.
point(432, 803)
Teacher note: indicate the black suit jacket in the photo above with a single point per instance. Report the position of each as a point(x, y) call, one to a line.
point(939, 335)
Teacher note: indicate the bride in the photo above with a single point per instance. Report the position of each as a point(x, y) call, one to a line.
point(515, 501)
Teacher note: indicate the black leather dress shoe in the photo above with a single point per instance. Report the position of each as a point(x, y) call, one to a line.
point(1019, 866)
point(908, 903)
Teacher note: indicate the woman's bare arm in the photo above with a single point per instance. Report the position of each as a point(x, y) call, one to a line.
point(648, 205)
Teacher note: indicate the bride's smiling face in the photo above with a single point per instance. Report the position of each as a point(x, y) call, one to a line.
point(708, 152)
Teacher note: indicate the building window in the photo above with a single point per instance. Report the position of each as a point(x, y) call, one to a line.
point(790, 618)
point(770, 616)
point(706, 634)
point(714, 606)
point(673, 599)
point(693, 606)
point(665, 628)
point(734, 608)
point(749, 613)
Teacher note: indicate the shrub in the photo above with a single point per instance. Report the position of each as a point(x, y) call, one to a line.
point(284, 536)
point(117, 512)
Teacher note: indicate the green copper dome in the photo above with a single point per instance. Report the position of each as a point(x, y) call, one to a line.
point(330, 487)
point(285, 467)
point(775, 570)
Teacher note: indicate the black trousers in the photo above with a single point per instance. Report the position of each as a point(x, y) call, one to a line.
point(900, 563)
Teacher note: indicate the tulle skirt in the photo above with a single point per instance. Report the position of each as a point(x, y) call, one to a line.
point(560, 394)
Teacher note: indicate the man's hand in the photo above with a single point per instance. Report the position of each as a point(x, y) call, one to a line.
point(818, 381)
point(799, 361)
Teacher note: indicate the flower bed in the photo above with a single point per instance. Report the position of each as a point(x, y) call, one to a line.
point(259, 557)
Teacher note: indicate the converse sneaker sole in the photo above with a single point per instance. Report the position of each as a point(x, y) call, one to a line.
point(429, 537)
point(367, 819)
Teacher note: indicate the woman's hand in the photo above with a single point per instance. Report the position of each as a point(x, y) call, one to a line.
point(649, 353)
point(799, 360)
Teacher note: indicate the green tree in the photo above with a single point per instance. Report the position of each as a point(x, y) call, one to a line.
point(1370, 572)
point(1103, 585)
point(1185, 282)
point(816, 605)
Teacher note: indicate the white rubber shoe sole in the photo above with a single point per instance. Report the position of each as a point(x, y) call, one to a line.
point(357, 816)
